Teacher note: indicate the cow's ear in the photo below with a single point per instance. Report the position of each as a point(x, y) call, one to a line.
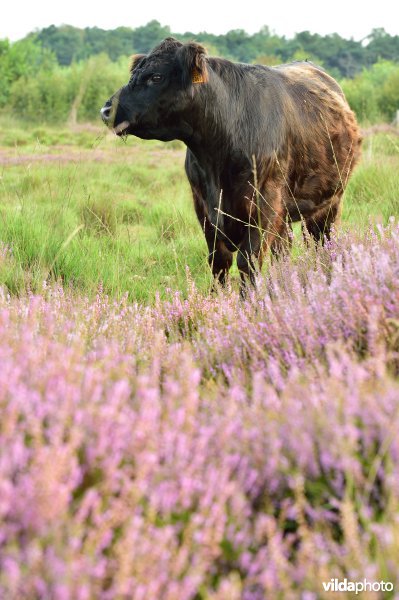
point(192, 58)
point(134, 61)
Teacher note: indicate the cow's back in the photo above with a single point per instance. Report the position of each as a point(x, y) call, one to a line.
point(322, 138)
point(315, 104)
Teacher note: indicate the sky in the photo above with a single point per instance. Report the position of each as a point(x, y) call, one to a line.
point(349, 18)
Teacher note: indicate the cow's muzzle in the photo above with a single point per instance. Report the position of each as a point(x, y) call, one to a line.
point(105, 112)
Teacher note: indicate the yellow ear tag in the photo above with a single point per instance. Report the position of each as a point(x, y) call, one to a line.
point(197, 77)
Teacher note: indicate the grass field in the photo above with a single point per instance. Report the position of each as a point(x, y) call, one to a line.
point(86, 209)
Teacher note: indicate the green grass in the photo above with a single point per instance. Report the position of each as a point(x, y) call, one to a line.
point(373, 191)
point(81, 207)
point(139, 229)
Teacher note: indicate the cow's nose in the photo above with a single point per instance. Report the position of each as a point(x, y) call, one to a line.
point(106, 112)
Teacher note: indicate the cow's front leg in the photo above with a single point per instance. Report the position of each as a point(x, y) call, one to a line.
point(249, 257)
point(282, 243)
point(220, 258)
point(266, 228)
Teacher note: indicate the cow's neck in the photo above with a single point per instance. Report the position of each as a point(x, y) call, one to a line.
point(210, 145)
point(213, 123)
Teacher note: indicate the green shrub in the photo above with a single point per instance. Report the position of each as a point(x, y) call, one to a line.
point(57, 94)
point(62, 93)
point(374, 93)
point(45, 97)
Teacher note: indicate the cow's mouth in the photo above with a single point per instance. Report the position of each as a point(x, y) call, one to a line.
point(122, 129)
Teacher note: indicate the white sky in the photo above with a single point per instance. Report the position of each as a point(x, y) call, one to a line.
point(349, 18)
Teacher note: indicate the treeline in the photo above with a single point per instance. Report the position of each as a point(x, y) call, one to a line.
point(65, 73)
point(343, 57)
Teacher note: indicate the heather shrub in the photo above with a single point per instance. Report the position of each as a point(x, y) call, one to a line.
point(205, 447)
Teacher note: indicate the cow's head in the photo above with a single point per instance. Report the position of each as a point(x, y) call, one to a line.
point(154, 104)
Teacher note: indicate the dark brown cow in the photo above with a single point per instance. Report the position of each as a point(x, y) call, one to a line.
point(266, 146)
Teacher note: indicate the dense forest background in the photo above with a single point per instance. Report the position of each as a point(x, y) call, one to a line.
point(65, 73)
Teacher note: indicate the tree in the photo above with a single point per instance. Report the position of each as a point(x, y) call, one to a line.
point(20, 58)
point(381, 45)
point(66, 42)
point(148, 36)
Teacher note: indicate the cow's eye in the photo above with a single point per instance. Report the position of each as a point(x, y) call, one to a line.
point(156, 78)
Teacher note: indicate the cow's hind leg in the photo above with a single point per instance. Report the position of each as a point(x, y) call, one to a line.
point(320, 223)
